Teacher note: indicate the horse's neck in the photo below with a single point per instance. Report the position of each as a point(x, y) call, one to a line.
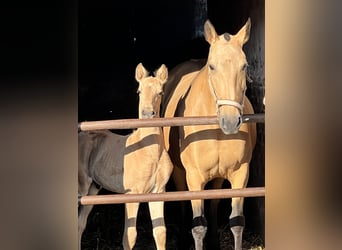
point(148, 131)
point(148, 135)
point(199, 98)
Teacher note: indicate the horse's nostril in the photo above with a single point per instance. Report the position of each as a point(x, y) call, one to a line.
point(223, 122)
point(148, 113)
point(239, 121)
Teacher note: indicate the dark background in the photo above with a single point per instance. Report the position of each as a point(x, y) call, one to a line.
point(114, 38)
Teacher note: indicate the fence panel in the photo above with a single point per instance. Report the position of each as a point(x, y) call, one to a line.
point(167, 196)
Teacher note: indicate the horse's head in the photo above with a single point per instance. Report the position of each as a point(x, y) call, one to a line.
point(227, 72)
point(150, 90)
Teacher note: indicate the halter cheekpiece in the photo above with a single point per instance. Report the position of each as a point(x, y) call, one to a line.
point(221, 102)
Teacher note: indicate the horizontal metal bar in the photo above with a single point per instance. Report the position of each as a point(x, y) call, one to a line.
point(161, 122)
point(172, 196)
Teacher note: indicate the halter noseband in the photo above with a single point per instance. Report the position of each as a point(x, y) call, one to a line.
point(221, 102)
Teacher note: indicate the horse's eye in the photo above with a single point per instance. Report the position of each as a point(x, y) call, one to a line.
point(211, 67)
point(244, 67)
point(138, 92)
point(161, 93)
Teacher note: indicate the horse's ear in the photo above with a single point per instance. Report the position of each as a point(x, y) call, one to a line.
point(243, 34)
point(140, 72)
point(162, 73)
point(210, 32)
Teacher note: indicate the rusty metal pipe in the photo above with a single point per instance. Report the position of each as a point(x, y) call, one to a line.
point(161, 122)
point(171, 196)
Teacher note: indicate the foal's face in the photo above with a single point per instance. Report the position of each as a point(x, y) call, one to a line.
point(150, 90)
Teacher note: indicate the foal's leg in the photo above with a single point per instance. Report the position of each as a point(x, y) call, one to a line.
point(158, 223)
point(236, 219)
point(83, 213)
point(130, 231)
point(164, 171)
point(199, 223)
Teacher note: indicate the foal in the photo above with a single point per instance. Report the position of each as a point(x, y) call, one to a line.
point(133, 164)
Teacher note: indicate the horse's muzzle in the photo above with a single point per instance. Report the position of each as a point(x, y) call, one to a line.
point(230, 124)
point(148, 113)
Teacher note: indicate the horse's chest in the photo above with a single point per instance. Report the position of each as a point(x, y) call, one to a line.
point(231, 154)
point(140, 169)
point(213, 156)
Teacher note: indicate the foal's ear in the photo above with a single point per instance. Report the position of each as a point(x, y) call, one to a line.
point(210, 32)
point(162, 73)
point(243, 35)
point(140, 72)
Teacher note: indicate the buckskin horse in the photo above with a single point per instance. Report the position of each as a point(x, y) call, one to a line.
point(203, 153)
point(132, 164)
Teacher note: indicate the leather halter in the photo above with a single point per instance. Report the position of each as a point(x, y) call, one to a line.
point(221, 102)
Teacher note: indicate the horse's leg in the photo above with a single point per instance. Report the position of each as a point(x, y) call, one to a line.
point(179, 179)
point(213, 225)
point(158, 223)
point(130, 231)
point(199, 223)
point(84, 211)
point(238, 179)
point(165, 168)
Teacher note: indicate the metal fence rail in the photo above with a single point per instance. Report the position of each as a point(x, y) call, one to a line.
point(171, 196)
point(161, 122)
